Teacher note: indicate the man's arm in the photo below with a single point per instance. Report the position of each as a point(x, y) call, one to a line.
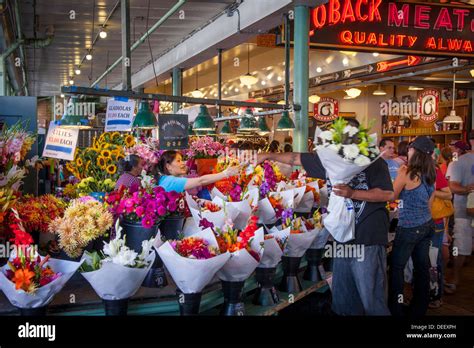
point(459, 189)
point(291, 158)
point(372, 195)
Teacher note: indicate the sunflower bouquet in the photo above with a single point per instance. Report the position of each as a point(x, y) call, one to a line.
point(100, 161)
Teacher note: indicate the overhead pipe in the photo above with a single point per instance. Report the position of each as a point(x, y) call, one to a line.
point(142, 39)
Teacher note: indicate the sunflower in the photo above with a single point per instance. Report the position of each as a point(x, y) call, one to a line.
point(120, 157)
point(79, 162)
point(111, 169)
point(101, 162)
point(114, 135)
point(129, 140)
point(88, 163)
point(101, 138)
point(106, 153)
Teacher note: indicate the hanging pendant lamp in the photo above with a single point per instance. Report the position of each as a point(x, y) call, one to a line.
point(248, 79)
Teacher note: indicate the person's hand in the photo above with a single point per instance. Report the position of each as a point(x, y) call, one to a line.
point(232, 171)
point(261, 157)
point(470, 188)
point(343, 190)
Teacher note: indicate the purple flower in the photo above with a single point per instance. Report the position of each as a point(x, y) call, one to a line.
point(264, 189)
point(287, 214)
point(147, 221)
point(140, 211)
point(172, 206)
point(162, 210)
point(205, 223)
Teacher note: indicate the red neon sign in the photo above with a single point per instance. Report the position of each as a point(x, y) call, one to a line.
point(410, 61)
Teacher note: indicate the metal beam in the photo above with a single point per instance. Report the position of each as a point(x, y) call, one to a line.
point(219, 77)
point(301, 78)
point(287, 59)
point(126, 53)
point(164, 97)
point(177, 81)
point(3, 78)
point(137, 43)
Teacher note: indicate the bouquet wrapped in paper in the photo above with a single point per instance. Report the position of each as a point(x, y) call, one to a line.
point(31, 281)
point(311, 196)
point(315, 223)
point(117, 272)
point(344, 151)
point(210, 211)
point(246, 248)
point(193, 261)
point(293, 235)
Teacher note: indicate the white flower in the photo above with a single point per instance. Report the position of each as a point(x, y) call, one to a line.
point(362, 160)
point(125, 257)
point(351, 130)
point(335, 147)
point(326, 136)
point(113, 247)
point(147, 246)
point(350, 151)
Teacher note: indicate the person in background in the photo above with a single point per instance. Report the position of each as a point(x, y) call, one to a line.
point(402, 152)
point(461, 183)
point(171, 171)
point(131, 167)
point(358, 286)
point(387, 149)
point(445, 159)
point(274, 146)
point(442, 191)
point(459, 149)
point(414, 186)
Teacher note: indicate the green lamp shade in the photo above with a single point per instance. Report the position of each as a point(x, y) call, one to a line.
point(262, 126)
point(226, 128)
point(285, 123)
point(203, 121)
point(144, 118)
point(248, 123)
point(71, 120)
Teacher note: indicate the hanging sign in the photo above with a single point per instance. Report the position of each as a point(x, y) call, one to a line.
point(119, 115)
point(428, 105)
point(394, 27)
point(326, 110)
point(173, 131)
point(60, 142)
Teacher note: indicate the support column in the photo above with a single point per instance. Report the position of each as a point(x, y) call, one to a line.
point(219, 79)
point(126, 54)
point(177, 81)
point(3, 78)
point(301, 77)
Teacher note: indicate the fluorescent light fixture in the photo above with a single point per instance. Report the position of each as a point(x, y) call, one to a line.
point(353, 92)
point(415, 88)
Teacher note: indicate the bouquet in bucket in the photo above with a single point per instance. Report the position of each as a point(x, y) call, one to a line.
point(344, 151)
point(149, 150)
point(29, 280)
point(293, 235)
point(117, 272)
point(315, 223)
point(310, 198)
point(193, 261)
point(245, 246)
point(214, 212)
point(84, 221)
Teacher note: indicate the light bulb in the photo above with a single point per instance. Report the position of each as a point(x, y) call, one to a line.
point(279, 78)
point(77, 71)
point(103, 33)
point(89, 56)
point(345, 61)
point(319, 69)
point(375, 54)
point(71, 81)
point(62, 95)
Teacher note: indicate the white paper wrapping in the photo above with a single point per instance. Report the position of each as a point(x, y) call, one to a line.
point(297, 244)
point(272, 254)
point(243, 208)
point(217, 218)
point(266, 212)
point(44, 294)
point(322, 235)
point(340, 221)
point(241, 264)
point(190, 227)
point(117, 282)
point(191, 275)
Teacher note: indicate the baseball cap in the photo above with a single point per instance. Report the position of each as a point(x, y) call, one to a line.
point(462, 145)
point(423, 144)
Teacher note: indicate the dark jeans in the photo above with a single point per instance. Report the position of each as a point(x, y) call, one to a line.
point(358, 285)
point(437, 242)
point(414, 242)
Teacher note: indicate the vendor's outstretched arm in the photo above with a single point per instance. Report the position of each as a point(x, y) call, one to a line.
point(291, 158)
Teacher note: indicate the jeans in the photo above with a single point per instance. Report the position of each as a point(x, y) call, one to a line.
point(414, 242)
point(358, 286)
point(437, 242)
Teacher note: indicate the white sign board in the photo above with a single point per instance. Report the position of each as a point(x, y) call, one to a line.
point(119, 115)
point(60, 142)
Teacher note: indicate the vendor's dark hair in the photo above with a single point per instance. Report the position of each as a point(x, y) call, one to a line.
point(402, 149)
point(384, 142)
point(166, 158)
point(128, 163)
point(421, 165)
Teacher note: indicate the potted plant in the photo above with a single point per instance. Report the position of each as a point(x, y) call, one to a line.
point(205, 151)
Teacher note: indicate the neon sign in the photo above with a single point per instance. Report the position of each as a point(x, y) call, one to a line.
point(394, 27)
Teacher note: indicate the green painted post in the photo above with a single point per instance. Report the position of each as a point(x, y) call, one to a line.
point(177, 76)
point(301, 77)
point(3, 78)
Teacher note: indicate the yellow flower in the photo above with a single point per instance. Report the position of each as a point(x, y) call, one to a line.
point(115, 135)
point(112, 169)
point(79, 162)
point(87, 165)
point(120, 157)
point(101, 162)
point(129, 140)
point(106, 153)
